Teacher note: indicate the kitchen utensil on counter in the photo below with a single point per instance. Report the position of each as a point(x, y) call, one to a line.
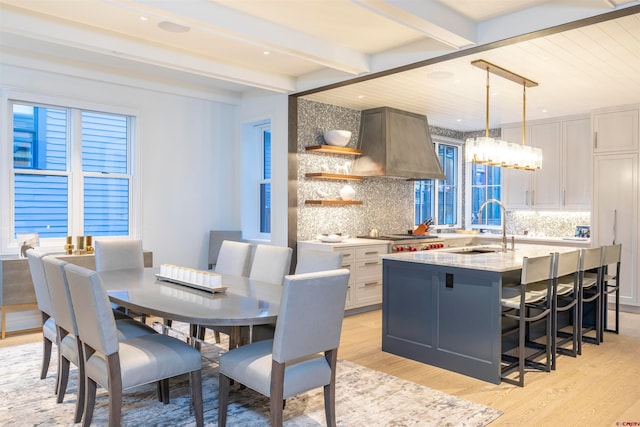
point(374, 232)
point(423, 227)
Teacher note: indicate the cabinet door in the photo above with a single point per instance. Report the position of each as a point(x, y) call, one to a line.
point(616, 215)
point(516, 183)
point(546, 182)
point(576, 158)
point(615, 130)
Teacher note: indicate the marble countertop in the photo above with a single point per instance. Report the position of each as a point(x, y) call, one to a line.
point(572, 241)
point(492, 261)
point(350, 241)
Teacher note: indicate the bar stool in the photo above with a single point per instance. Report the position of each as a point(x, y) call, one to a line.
point(535, 293)
point(566, 297)
point(590, 280)
point(611, 256)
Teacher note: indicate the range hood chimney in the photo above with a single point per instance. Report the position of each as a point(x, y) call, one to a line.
point(398, 144)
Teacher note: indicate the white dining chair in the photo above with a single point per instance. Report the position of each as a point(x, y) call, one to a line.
point(43, 299)
point(303, 354)
point(69, 352)
point(216, 238)
point(270, 263)
point(120, 365)
point(310, 261)
point(233, 258)
point(120, 255)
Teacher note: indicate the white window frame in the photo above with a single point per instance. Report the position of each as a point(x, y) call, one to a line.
point(468, 212)
point(8, 244)
point(437, 140)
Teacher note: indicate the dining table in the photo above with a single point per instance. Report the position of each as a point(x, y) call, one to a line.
point(242, 304)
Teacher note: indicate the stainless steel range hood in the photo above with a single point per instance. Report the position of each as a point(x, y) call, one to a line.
point(397, 144)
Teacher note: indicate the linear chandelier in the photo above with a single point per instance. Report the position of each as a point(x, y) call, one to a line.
point(495, 152)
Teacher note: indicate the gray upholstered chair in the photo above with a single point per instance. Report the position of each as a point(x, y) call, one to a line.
point(120, 255)
point(67, 331)
point(120, 365)
point(44, 305)
point(233, 258)
point(270, 263)
point(310, 261)
point(309, 324)
point(529, 301)
point(216, 238)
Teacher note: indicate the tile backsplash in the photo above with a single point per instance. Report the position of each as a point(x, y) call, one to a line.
point(387, 202)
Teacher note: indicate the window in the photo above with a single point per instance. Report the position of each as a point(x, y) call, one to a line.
point(265, 179)
point(440, 199)
point(485, 185)
point(71, 171)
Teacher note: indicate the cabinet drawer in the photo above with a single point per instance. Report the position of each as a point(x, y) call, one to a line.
point(373, 251)
point(369, 292)
point(369, 269)
point(348, 254)
point(351, 290)
point(350, 266)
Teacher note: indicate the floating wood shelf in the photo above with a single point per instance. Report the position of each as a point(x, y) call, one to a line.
point(334, 150)
point(325, 175)
point(333, 202)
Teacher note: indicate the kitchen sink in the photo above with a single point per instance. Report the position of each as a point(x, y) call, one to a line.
point(475, 251)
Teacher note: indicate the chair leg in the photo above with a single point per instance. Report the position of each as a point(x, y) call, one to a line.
point(81, 386)
point(196, 396)
point(223, 399)
point(216, 335)
point(63, 378)
point(521, 352)
point(277, 390)
point(90, 401)
point(115, 390)
point(330, 390)
point(46, 357)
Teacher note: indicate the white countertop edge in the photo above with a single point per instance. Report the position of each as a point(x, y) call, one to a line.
point(350, 241)
point(496, 261)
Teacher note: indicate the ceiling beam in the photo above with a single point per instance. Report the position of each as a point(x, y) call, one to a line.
point(452, 29)
point(211, 17)
point(64, 34)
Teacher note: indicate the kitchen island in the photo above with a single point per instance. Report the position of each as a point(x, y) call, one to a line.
point(443, 307)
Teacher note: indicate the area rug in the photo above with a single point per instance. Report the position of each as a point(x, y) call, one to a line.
point(364, 397)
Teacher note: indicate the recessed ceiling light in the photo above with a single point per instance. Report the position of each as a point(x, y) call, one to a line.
point(172, 27)
point(144, 18)
point(266, 52)
point(458, 120)
point(360, 96)
point(544, 110)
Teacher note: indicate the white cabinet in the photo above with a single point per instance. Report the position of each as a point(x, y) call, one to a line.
point(535, 189)
point(615, 130)
point(576, 172)
point(365, 281)
point(565, 177)
point(615, 215)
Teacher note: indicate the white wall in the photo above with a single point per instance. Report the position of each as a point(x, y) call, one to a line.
point(255, 106)
point(187, 157)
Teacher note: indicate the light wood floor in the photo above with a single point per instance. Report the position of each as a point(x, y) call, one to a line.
point(599, 388)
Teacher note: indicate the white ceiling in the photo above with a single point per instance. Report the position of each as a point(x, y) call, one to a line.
point(312, 43)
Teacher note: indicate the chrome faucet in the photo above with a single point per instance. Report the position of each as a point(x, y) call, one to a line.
point(504, 221)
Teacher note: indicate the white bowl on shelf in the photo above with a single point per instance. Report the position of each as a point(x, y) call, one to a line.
point(339, 138)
